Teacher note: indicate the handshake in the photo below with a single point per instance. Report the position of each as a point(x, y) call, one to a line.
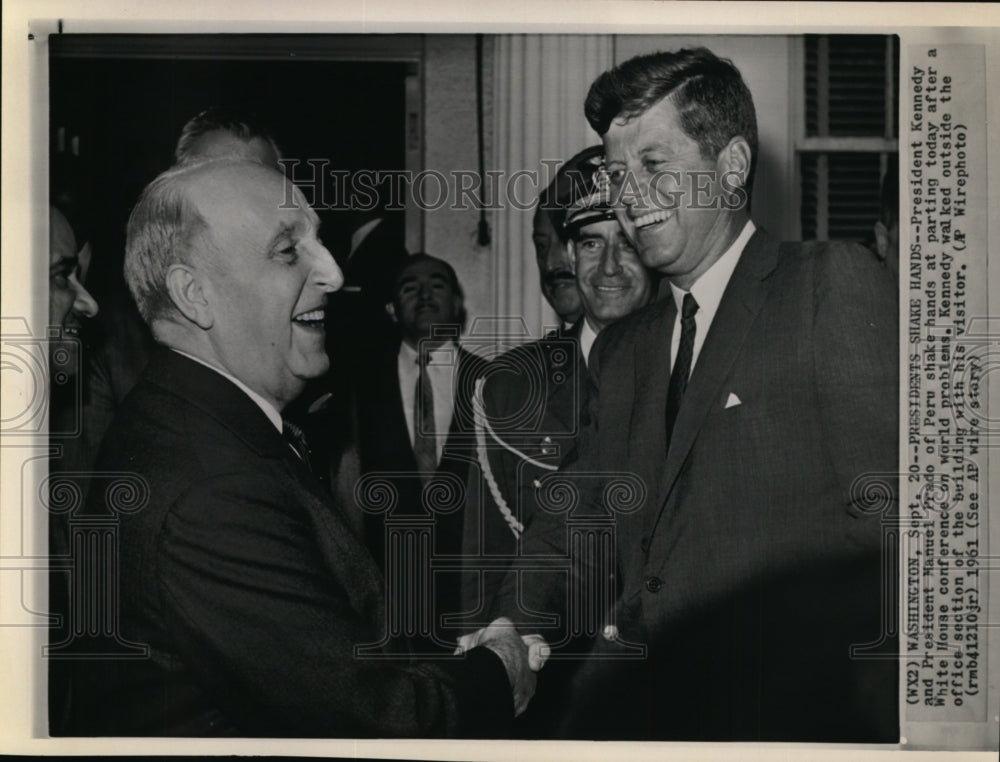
point(522, 656)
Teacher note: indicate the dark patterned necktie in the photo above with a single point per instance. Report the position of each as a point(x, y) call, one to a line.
point(297, 439)
point(682, 365)
point(424, 440)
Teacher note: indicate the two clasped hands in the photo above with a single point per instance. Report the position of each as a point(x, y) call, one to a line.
point(522, 656)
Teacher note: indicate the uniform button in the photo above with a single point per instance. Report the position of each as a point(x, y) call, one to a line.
point(644, 544)
point(536, 484)
point(547, 440)
point(653, 584)
point(610, 632)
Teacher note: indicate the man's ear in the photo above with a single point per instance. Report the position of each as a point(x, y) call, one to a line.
point(188, 295)
point(733, 163)
point(390, 310)
point(881, 240)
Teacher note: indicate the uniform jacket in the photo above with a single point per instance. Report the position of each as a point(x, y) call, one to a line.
point(530, 402)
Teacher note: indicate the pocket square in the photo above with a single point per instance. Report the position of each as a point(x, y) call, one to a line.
point(733, 401)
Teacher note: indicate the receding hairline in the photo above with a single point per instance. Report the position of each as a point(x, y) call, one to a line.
point(415, 260)
point(214, 169)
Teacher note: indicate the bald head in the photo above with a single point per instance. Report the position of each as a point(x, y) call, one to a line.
point(224, 260)
point(169, 225)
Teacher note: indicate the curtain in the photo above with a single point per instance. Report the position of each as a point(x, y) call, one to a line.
point(540, 84)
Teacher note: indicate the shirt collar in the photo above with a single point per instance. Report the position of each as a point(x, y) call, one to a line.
point(359, 235)
point(269, 410)
point(708, 289)
point(443, 354)
point(587, 337)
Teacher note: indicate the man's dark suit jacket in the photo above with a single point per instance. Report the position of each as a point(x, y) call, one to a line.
point(245, 581)
point(754, 562)
point(384, 447)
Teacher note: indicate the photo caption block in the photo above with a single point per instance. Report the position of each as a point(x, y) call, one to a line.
point(944, 527)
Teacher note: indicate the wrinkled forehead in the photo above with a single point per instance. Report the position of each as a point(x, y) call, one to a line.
point(235, 193)
point(541, 223)
point(608, 229)
point(62, 241)
point(425, 269)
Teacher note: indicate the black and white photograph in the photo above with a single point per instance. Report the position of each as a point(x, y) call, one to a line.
point(473, 388)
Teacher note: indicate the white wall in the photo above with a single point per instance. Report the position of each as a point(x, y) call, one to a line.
point(450, 139)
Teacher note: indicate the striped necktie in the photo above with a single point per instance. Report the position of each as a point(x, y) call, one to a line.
point(297, 439)
point(682, 365)
point(424, 440)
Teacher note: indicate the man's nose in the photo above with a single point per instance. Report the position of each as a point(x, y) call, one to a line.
point(424, 290)
point(325, 274)
point(83, 303)
point(555, 257)
point(611, 261)
point(636, 195)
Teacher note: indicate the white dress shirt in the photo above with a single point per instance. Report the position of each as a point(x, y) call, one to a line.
point(707, 291)
point(442, 366)
point(587, 337)
point(269, 410)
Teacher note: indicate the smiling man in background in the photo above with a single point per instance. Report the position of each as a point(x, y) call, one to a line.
point(532, 402)
point(414, 421)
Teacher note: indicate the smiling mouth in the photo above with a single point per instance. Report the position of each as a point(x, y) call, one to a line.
point(651, 219)
point(311, 319)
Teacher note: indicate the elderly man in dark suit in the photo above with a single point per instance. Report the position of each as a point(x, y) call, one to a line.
point(241, 575)
point(758, 406)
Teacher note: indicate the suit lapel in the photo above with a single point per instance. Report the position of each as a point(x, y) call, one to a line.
point(647, 433)
point(645, 436)
point(741, 301)
point(396, 430)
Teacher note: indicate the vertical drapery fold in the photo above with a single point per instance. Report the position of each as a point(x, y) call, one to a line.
point(540, 82)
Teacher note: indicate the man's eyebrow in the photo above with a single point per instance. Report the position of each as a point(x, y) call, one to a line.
point(284, 231)
point(313, 218)
point(65, 263)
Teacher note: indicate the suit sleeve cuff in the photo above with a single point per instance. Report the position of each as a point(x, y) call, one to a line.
point(486, 699)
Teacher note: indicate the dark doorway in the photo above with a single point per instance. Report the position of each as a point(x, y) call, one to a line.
point(114, 122)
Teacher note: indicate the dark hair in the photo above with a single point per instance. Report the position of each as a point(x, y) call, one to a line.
point(711, 98)
point(242, 125)
point(422, 256)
